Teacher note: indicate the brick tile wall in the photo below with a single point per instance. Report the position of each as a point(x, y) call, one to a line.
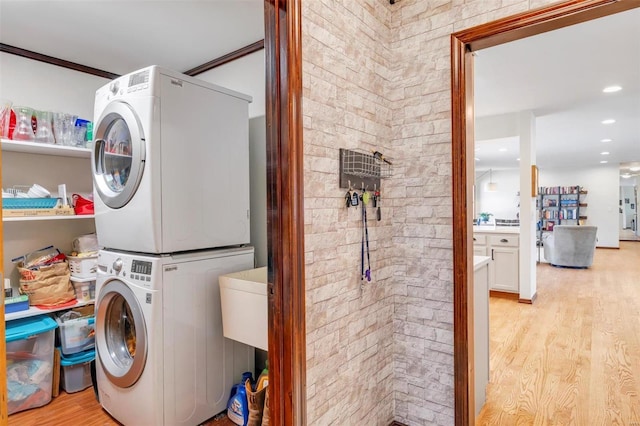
point(377, 76)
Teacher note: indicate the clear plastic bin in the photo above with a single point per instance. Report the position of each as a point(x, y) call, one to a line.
point(76, 335)
point(76, 371)
point(29, 362)
point(85, 288)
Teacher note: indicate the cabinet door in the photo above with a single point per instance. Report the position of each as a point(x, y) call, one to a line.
point(504, 270)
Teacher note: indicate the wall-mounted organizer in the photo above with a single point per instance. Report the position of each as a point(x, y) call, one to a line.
point(361, 168)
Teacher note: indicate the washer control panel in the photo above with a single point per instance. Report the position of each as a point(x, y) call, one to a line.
point(141, 270)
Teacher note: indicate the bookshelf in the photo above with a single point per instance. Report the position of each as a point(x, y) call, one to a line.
point(560, 205)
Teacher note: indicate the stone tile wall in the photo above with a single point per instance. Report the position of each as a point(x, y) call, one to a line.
point(349, 325)
point(377, 76)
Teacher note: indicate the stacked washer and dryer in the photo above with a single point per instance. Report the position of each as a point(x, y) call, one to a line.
point(171, 190)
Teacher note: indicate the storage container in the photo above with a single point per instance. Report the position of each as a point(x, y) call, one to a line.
point(76, 371)
point(85, 288)
point(76, 335)
point(29, 362)
point(16, 304)
point(83, 267)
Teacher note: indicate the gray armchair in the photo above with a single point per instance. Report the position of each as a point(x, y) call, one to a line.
point(570, 245)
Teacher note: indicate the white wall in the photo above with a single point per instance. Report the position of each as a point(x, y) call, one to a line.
point(503, 203)
point(602, 184)
point(47, 87)
point(258, 182)
point(245, 75)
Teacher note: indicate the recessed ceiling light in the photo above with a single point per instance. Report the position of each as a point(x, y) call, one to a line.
point(604, 153)
point(517, 159)
point(606, 140)
point(626, 176)
point(477, 159)
point(503, 150)
point(612, 89)
point(634, 169)
point(608, 121)
point(604, 162)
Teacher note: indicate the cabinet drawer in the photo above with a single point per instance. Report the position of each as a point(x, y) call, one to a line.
point(503, 240)
point(479, 240)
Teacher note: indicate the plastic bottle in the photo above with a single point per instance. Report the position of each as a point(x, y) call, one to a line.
point(263, 379)
point(238, 406)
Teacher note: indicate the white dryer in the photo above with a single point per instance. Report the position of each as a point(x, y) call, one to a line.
point(161, 355)
point(170, 163)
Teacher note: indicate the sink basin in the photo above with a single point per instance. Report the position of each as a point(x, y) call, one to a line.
point(243, 296)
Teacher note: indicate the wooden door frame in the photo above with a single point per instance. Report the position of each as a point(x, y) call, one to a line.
point(285, 213)
point(463, 43)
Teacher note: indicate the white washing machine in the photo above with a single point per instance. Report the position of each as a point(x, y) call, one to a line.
point(161, 356)
point(170, 163)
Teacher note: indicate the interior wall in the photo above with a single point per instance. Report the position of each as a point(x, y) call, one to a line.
point(421, 91)
point(349, 322)
point(602, 183)
point(48, 87)
point(503, 203)
point(245, 75)
point(258, 183)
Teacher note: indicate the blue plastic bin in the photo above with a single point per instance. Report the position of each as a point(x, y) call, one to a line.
point(76, 371)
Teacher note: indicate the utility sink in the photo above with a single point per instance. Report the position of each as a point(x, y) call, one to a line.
point(243, 296)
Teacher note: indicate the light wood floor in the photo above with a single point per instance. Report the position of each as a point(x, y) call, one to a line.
point(573, 357)
point(80, 408)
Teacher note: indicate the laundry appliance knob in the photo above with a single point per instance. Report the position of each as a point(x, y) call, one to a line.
point(117, 265)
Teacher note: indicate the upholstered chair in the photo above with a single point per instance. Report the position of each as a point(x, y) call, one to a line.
point(570, 245)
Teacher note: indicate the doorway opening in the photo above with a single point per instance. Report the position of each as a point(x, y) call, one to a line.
point(463, 44)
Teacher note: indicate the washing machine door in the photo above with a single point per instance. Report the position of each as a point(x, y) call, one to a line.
point(121, 334)
point(118, 154)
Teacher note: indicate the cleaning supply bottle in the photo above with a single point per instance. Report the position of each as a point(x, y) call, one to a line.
point(263, 379)
point(237, 407)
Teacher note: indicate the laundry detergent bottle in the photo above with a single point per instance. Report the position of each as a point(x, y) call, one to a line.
point(238, 406)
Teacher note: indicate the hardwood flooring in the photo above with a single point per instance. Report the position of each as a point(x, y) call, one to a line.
point(80, 408)
point(573, 357)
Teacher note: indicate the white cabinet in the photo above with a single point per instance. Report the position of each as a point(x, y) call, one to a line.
point(26, 163)
point(504, 270)
point(481, 329)
point(479, 245)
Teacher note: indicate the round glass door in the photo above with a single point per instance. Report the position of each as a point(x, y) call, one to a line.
point(118, 154)
point(121, 335)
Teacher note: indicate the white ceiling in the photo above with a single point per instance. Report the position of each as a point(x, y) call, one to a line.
point(123, 36)
point(559, 77)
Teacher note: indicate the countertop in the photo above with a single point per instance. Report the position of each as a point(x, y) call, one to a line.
point(497, 229)
point(480, 261)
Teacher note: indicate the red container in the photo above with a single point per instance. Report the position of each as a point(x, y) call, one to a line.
point(81, 205)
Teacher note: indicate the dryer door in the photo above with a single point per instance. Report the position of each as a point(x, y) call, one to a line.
point(118, 154)
point(121, 334)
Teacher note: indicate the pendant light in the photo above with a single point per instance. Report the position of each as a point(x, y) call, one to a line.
point(491, 186)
